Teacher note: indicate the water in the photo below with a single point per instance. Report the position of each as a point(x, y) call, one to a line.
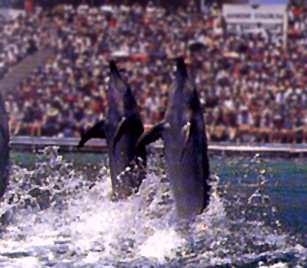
point(58, 215)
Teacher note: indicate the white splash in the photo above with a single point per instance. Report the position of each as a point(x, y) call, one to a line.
point(162, 245)
point(83, 226)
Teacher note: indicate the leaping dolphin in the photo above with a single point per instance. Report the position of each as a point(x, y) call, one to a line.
point(121, 129)
point(4, 148)
point(185, 146)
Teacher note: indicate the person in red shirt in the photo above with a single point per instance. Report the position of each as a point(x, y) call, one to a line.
point(28, 6)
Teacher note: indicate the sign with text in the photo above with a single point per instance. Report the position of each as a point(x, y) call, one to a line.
point(255, 18)
point(9, 14)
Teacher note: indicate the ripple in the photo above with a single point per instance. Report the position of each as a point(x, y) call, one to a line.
point(58, 216)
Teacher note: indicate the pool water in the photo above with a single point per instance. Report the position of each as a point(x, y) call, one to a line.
point(57, 212)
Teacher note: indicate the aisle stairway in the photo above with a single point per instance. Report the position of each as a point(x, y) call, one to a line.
point(23, 69)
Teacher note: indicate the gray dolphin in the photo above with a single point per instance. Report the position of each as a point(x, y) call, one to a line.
point(185, 146)
point(4, 148)
point(121, 129)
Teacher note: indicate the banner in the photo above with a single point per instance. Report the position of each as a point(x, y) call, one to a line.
point(255, 18)
point(9, 14)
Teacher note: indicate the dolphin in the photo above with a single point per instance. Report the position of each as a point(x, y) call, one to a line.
point(121, 129)
point(4, 148)
point(185, 146)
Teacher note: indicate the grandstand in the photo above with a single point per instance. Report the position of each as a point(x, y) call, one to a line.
point(252, 85)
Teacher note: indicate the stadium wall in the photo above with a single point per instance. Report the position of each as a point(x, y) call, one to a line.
point(35, 144)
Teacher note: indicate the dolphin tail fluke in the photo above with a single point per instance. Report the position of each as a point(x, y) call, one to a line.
point(151, 136)
point(97, 131)
point(113, 68)
point(117, 86)
point(181, 68)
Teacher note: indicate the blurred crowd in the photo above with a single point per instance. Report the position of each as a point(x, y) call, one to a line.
point(252, 87)
point(21, 37)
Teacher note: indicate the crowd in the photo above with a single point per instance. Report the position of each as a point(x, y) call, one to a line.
point(253, 89)
point(21, 37)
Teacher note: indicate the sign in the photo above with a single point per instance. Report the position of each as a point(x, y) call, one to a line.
point(10, 14)
point(256, 18)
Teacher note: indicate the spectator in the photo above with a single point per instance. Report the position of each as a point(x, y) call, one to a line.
point(252, 87)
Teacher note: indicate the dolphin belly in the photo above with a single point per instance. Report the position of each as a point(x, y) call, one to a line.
point(185, 145)
point(188, 182)
point(126, 173)
point(121, 129)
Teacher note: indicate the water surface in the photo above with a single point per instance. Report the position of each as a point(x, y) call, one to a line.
point(58, 213)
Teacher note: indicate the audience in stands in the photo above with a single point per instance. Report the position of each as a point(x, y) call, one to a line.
point(254, 90)
point(21, 37)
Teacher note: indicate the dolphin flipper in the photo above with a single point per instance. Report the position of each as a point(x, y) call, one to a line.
point(152, 135)
point(97, 131)
point(125, 125)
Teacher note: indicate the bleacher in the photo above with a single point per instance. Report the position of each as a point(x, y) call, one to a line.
point(253, 89)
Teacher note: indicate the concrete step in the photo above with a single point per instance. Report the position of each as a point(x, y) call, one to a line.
point(22, 70)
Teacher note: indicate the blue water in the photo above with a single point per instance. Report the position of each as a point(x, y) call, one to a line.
point(58, 213)
point(286, 186)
